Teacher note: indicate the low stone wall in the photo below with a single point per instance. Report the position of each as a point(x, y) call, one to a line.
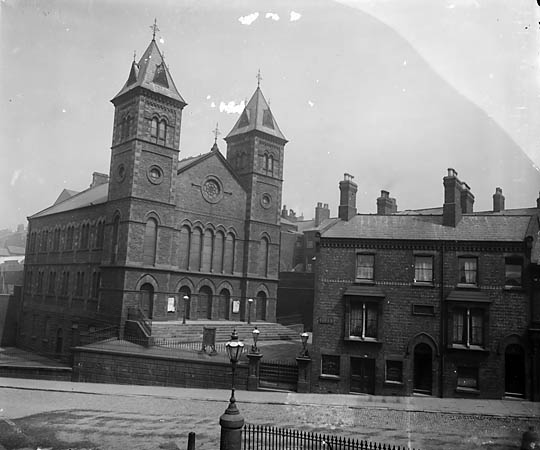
point(94, 365)
point(37, 372)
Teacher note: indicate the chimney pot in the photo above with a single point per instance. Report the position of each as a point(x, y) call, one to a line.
point(498, 200)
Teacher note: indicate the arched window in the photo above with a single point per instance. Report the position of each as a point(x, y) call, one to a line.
point(264, 248)
point(129, 128)
point(224, 301)
point(208, 243)
point(228, 258)
point(186, 303)
point(100, 234)
point(219, 250)
point(154, 128)
point(150, 242)
point(260, 306)
point(56, 240)
point(195, 250)
point(114, 240)
point(44, 240)
point(162, 131)
point(205, 303)
point(59, 341)
point(270, 164)
point(85, 231)
point(185, 237)
point(123, 128)
point(147, 300)
point(69, 237)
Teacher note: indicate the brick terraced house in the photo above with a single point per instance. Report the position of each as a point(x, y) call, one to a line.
point(156, 228)
point(442, 302)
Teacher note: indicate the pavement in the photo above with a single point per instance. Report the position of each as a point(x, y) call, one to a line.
point(470, 407)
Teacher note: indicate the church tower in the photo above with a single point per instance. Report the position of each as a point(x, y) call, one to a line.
point(144, 160)
point(255, 150)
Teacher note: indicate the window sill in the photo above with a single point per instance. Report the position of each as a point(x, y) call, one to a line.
point(466, 390)
point(423, 284)
point(467, 286)
point(330, 377)
point(365, 282)
point(393, 383)
point(360, 339)
point(470, 348)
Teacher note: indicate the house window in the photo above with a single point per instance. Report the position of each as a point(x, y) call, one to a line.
point(330, 365)
point(513, 267)
point(468, 268)
point(423, 269)
point(468, 327)
point(363, 320)
point(394, 371)
point(467, 378)
point(364, 267)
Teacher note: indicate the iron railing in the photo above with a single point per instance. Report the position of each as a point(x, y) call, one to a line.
point(278, 374)
point(258, 437)
point(138, 315)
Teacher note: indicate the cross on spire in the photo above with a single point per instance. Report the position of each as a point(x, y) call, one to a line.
point(259, 78)
point(154, 28)
point(216, 133)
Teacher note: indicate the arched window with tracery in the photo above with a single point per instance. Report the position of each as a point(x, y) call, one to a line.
point(228, 258)
point(184, 248)
point(195, 250)
point(150, 242)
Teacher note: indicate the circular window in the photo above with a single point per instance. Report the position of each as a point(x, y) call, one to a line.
point(266, 200)
point(155, 175)
point(212, 190)
point(121, 172)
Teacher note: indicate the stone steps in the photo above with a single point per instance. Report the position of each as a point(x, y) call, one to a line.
point(193, 331)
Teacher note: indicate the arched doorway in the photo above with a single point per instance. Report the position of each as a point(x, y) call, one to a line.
point(147, 299)
point(59, 341)
point(514, 371)
point(224, 301)
point(205, 303)
point(423, 373)
point(185, 310)
point(260, 306)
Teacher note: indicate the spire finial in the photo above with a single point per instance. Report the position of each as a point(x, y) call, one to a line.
point(154, 28)
point(134, 55)
point(259, 78)
point(216, 133)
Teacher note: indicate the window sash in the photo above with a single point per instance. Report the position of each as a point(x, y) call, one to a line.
point(468, 270)
point(423, 268)
point(468, 326)
point(330, 365)
point(365, 266)
point(363, 320)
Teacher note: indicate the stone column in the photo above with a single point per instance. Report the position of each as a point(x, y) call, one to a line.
point(304, 384)
point(253, 377)
point(231, 423)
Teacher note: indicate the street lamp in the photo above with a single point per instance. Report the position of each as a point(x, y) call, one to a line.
point(304, 336)
point(186, 300)
point(255, 333)
point(250, 302)
point(234, 350)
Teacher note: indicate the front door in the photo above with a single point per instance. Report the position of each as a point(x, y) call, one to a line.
point(205, 303)
point(422, 369)
point(514, 371)
point(363, 375)
point(147, 300)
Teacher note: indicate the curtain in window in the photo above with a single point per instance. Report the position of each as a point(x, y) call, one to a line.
point(477, 327)
point(364, 267)
point(371, 320)
point(423, 268)
point(468, 271)
point(356, 320)
point(458, 329)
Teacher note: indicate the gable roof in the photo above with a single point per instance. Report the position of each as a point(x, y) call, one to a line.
point(64, 195)
point(257, 116)
point(151, 73)
point(472, 227)
point(88, 197)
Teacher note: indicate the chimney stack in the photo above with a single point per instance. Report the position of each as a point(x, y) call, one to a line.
point(452, 199)
point(322, 212)
point(385, 204)
point(347, 199)
point(99, 178)
point(498, 200)
point(467, 199)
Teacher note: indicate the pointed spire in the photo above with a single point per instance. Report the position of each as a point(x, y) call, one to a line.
point(216, 133)
point(257, 116)
point(259, 78)
point(154, 28)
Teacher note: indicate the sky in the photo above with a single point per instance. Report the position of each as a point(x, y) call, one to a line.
point(391, 91)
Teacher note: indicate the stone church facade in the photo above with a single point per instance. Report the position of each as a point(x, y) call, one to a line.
point(159, 230)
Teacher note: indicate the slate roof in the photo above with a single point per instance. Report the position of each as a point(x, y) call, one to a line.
point(88, 197)
point(421, 227)
point(257, 116)
point(151, 73)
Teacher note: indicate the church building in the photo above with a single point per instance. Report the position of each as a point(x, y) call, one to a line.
point(161, 237)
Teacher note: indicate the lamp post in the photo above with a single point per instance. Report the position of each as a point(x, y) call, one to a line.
point(255, 333)
point(231, 421)
point(304, 362)
point(250, 302)
point(186, 300)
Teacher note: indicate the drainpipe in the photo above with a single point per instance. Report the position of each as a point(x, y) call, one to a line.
point(441, 326)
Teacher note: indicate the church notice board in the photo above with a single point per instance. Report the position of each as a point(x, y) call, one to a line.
point(209, 339)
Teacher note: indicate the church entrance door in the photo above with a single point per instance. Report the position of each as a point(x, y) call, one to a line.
point(147, 300)
point(205, 303)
